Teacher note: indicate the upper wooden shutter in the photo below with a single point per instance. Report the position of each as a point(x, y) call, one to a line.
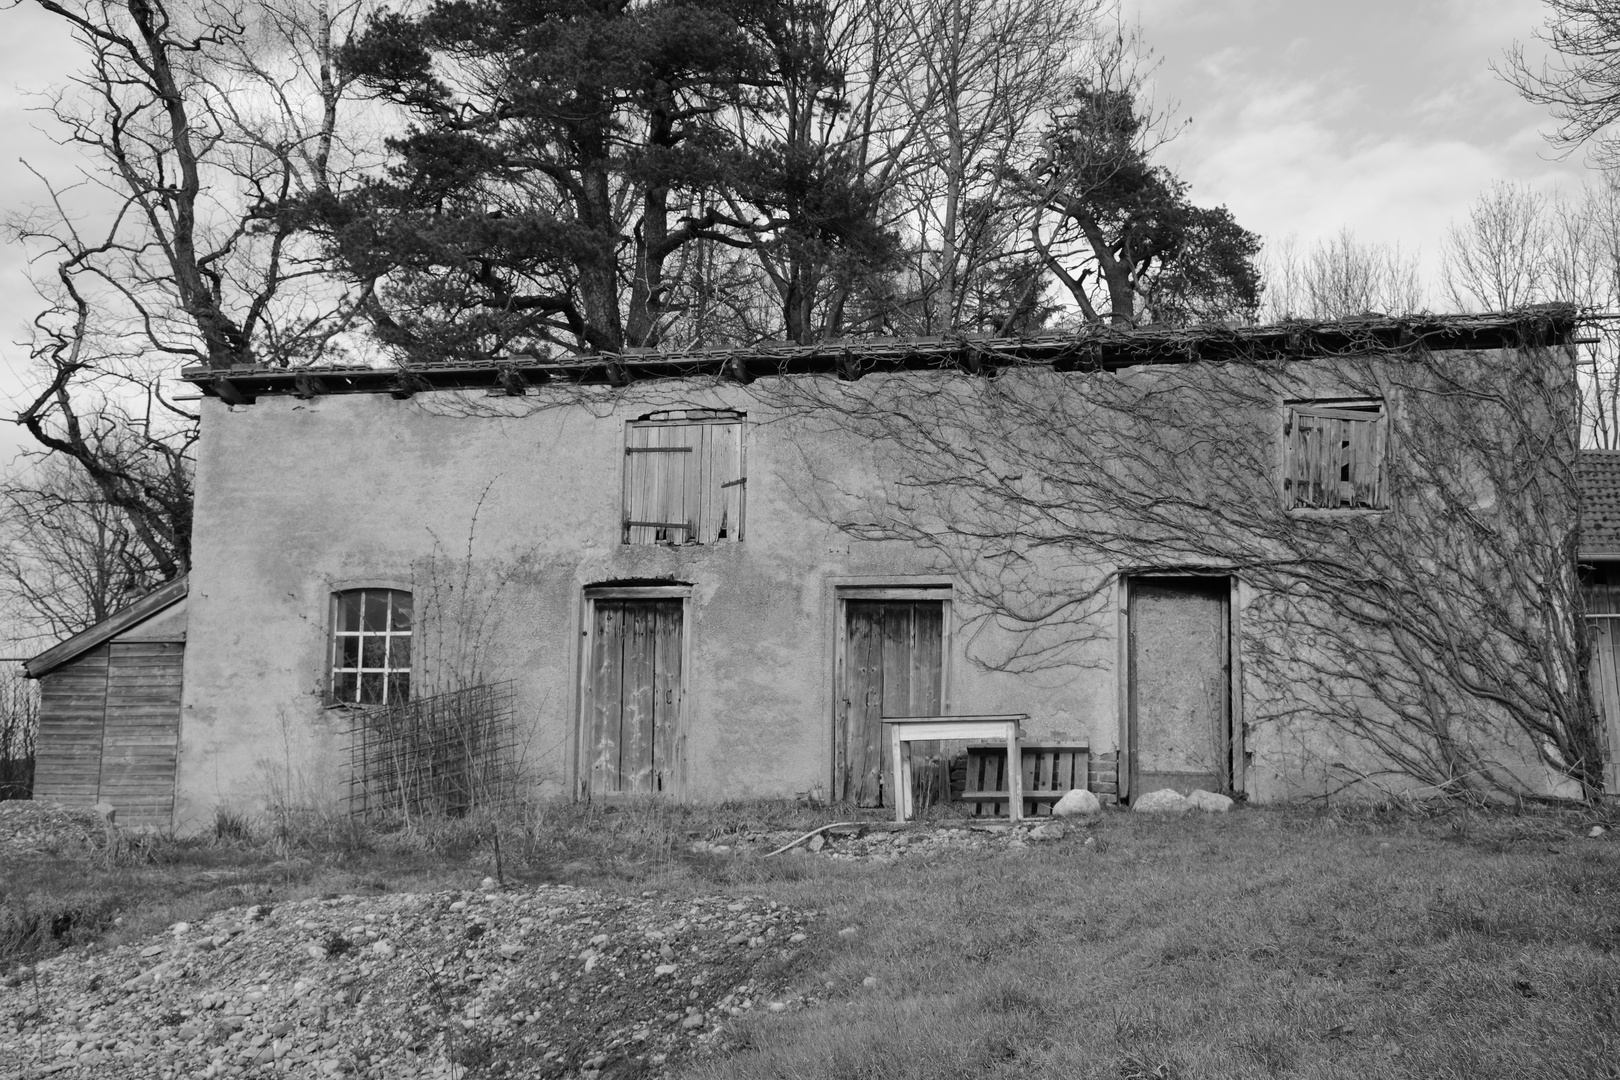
point(683, 483)
point(662, 471)
point(1335, 458)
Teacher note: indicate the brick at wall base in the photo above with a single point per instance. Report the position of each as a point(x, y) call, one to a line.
point(1102, 777)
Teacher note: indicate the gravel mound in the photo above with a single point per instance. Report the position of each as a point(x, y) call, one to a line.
point(550, 981)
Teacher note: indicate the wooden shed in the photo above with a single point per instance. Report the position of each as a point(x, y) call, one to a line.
point(109, 711)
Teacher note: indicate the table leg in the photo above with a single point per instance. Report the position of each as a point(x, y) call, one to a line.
point(1015, 778)
point(902, 783)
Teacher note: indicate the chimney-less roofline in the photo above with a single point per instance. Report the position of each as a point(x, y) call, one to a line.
point(1092, 349)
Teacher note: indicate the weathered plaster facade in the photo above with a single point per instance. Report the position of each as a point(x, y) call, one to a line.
point(499, 513)
point(298, 499)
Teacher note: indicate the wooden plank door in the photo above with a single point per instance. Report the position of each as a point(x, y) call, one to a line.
point(72, 715)
point(635, 696)
point(1605, 676)
point(142, 730)
point(1179, 684)
point(893, 666)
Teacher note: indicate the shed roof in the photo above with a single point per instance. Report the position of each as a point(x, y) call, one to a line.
point(1089, 349)
point(1599, 474)
point(158, 600)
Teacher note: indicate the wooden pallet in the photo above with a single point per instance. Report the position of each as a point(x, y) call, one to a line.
point(1050, 770)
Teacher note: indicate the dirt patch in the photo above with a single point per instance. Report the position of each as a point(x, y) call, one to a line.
point(882, 842)
point(551, 981)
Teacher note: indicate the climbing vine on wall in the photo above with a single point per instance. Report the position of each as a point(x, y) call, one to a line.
point(1425, 625)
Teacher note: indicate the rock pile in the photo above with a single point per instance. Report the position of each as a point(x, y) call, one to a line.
point(552, 981)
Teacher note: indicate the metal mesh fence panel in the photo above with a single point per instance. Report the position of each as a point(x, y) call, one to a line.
point(440, 755)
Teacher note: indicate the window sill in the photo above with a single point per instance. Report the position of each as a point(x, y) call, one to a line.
point(666, 545)
point(1331, 512)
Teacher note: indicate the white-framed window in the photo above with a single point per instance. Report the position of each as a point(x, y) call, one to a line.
point(1334, 455)
point(371, 647)
point(684, 478)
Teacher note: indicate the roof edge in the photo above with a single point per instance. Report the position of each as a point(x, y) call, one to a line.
point(1092, 348)
point(159, 599)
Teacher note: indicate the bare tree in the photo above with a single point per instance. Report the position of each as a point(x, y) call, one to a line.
point(1438, 644)
point(1582, 85)
point(19, 730)
point(68, 558)
point(1345, 277)
point(197, 125)
point(1284, 295)
point(1497, 260)
point(982, 81)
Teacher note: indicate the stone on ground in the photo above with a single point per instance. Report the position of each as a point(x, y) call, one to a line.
point(1209, 802)
point(1163, 801)
point(1077, 803)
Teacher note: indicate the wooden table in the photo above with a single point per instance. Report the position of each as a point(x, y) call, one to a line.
point(904, 729)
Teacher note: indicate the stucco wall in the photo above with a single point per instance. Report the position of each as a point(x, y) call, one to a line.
point(296, 499)
point(497, 513)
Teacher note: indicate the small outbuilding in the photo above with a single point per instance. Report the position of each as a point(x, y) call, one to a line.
point(109, 712)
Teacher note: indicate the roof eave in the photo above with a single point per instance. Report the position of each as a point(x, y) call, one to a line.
point(1093, 349)
point(154, 602)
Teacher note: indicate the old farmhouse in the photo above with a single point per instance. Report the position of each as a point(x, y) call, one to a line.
point(1277, 562)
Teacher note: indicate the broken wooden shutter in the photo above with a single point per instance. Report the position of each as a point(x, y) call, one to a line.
point(1335, 458)
point(661, 478)
point(1369, 479)
point(723, 483)
point(683, 483)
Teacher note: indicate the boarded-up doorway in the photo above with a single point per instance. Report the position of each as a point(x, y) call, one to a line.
point(632, 695)
point(1179, 684)
point(892, 661)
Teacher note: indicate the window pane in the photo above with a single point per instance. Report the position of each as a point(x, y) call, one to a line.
point(349, 612)
point(399, 689)
point(371, 689)
point(399, 651)
point(343, 686)
point(348, 652)
point(402, 610)
point(374, 651)
point(376, 610)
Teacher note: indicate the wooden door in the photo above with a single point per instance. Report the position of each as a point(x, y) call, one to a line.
point(142, 730)
point(893, 666)
point(1180, 684)
point(72, 728)
point(634, 696)
point(1605, 678)
point(109, 730)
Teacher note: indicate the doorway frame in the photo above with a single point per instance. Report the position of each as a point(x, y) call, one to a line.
point(1122, 671)
point(581, 757)
point(942, 592)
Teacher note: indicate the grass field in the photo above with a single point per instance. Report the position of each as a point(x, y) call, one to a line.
point(1309, 943)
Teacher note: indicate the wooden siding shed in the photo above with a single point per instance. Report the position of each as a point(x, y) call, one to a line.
point(109, 712)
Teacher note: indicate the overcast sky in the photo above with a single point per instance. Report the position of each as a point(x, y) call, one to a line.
point(1380, 115)
point(1307, 116)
